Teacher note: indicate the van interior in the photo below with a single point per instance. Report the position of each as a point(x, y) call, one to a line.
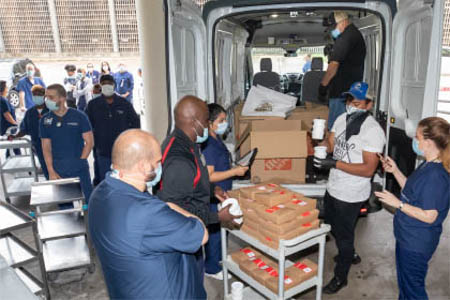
point(293, 33)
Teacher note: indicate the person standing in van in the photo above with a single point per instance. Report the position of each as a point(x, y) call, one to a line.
point(355, 140)
point(346, 65)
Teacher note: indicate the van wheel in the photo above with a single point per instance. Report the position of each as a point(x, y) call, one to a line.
point(13, 98)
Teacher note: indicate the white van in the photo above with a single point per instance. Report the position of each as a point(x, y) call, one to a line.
point(187, 50)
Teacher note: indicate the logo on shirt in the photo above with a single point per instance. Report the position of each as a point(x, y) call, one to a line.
point(120, 112)
point(48, 121)
point(72, 124)
point(342, 148)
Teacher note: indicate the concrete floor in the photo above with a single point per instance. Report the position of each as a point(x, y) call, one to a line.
point(374, 278)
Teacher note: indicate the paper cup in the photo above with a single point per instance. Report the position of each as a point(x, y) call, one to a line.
point(320, 152)
point(318, 129)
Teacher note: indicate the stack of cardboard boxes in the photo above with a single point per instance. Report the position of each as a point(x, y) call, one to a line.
point(272, 213)
point(265, 270)
point(282, 143)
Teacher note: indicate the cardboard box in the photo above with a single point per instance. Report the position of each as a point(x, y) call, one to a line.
point(278, 214)
point(250, 266)
point(250, 215)
point(273, 198)
point(282, 170)
point(308, 113)
point(280, 229)
point(244, 254)
point(308, 216)
point(294, 275)
point(302, 204)
point(268, 235)
point(268, 241)
point(309, 226)
point(250, 228)
point(234, 194)
point(264, 272)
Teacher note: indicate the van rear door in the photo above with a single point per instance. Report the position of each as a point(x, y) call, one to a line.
point(186, 41)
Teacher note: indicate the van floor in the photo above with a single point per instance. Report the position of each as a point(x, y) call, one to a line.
point(373, 278)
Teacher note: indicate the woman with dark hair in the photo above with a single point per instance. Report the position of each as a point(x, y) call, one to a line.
point(8, 113)
point(105, 68)
point(218, 161)
point(422, 207)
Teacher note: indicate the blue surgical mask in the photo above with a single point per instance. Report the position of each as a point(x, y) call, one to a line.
point(96, 96)
point(51, 105)
point(222, 127)
point(30, 73)
point(335, 33)
point(204, 137)
point(79, 76)
point(354, 110)
point(158, 172)
point(38, 100)
point(415, 147)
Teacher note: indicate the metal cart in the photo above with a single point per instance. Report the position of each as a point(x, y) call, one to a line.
point(18, 165)
point(286, 248)
point(17, 255)
point(62, 234)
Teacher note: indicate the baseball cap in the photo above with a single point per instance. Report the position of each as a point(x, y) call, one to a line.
point(106, 77)
point(340, 15)
point(358, 90)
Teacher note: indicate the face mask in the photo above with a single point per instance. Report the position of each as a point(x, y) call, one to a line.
point(96, 96)
point(121, 69)
point(222, 127)
point(38, 100)
point(204, 137)
point(415, 147)
point(105, 68)
point(154, 181)
point(335, 33)
point(108, 90)
point(90, 70)
point(51, 105)
point(354, 110)
point(79, 76)
point(30, 73)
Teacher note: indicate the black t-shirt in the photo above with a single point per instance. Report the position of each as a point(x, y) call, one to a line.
point(349, 51)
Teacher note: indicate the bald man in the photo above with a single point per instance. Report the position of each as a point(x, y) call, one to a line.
point(185, 178)
point(145, 246)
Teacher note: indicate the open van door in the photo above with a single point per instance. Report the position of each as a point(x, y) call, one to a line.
point(186, 45)
point(415, 72)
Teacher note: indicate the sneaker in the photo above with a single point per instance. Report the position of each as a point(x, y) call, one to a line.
point(334, 286)
point(356, 259)
point(217, 276)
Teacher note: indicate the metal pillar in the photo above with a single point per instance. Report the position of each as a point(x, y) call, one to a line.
point(2, 41)
point(55, 27)
point(113, 22)
point(152, 46)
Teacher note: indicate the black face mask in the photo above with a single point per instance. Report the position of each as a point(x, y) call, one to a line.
point(354, 123)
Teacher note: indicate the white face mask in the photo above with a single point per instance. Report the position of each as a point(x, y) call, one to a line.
point(222, 127)
point(108, 90)
point(353, 110)
point(105, 68)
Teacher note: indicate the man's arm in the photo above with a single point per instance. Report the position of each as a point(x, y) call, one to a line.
point(7, 115)
point(22, 99)
point(332, 69)
point(88, 138)
point(365, 169)
point(189, 215)
point(47, 151)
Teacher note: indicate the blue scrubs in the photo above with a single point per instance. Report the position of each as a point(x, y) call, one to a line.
point(124, 83)
point(30, 126)
point(217, 155)
point(95, 76)
point(145, 248)
point(5, 106)
point(25, 85)
point(66, 135)
point(429, 189)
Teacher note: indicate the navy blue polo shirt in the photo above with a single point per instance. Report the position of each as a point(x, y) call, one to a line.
point(5, 106)
point(66, 133)
point(217, 155)
point(427, 188)
point(124, 83)
point(109, 121)
point(25, 85)
point(30, 124)
point(145, 248)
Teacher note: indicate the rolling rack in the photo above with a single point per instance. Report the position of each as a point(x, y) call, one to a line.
point(17, 255)
point(62, 233)
point(285, 248)
point(17, 165)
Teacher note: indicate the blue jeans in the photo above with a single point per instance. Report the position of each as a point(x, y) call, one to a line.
point(104, 166)
point(213, 248)
point(412, 269)
point(336, 108)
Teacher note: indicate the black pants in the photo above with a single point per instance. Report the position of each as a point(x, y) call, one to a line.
point(342, 217)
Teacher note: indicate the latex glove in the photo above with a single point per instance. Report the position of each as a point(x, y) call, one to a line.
point(326, 163)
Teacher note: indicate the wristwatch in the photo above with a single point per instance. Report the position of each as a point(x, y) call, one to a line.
point(401, 205)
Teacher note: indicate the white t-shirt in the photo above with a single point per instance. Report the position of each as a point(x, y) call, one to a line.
point(371, 138)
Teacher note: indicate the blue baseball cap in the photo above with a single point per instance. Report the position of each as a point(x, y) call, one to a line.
point(358, 90)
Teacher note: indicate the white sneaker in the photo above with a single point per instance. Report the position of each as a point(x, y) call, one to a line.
point(218, 276)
